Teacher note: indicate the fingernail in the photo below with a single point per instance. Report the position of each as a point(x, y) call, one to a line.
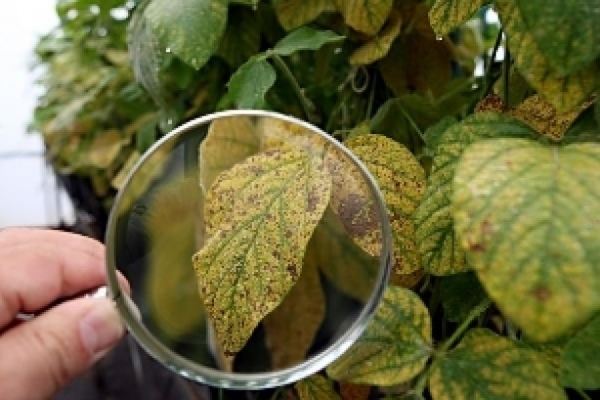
point(101, 327)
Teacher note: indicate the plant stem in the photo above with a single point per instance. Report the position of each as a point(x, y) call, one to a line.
point(307, 105)
point(583, 394)
point(488, 68)
point(412, 123)
point(481, 307)
point(505, 77)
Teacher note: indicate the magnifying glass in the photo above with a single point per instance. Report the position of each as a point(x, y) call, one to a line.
point(257, 248)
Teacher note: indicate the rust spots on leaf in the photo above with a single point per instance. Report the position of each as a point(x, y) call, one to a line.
point(542, 294)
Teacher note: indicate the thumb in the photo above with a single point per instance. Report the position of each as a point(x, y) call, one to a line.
point(39, 356)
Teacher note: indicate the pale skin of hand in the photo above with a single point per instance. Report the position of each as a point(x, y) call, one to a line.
point(37, 269)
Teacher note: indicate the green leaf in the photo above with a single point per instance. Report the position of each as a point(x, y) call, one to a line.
point(446, 15)
point(460, 294)
point(191, 29)
point(241, 40)
point(228, 141)
point(490, 367)
point(580, 363)
point(401, 180)
point(441, 254)
point(395, 346)
point(295, 13)
point(305, 38)
point(366, 16)
point(316, 387)
point(523, 212)
point(433, 134)
point(268, 206)
point(380, 45)
point(251, 82)
point(563, 92)
point(565, 31)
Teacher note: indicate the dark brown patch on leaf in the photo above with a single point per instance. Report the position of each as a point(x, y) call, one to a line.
point(542, 293)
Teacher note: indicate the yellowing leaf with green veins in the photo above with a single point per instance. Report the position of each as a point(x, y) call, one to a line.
point(380, 45)
point(526, 214)
point(348, 267)
point(290, 329)
point(564, 93)
point(229, 141)
point(261, 213)
point(580, 362)
point(295, 13)
point(395, 346)
point(401, 180)
point(485, 366)
point(277, 134)
point(316, 387)
point(441, 253)
point(366, 16)
point(446, 15)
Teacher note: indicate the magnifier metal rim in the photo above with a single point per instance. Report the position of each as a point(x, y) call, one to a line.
point(213, 377)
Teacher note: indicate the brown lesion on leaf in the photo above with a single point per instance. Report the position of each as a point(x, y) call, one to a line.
point(476, 246)
point(293, 270)
point(358, 217)
point(542, 294)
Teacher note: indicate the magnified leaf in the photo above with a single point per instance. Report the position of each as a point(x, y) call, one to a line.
point(395, 346)
point(441, 254)
point(316, 387)
point(518, 210)
point(491, 367)
point(292, 326)
point(445, 15)
point(380, 45)
point(366, 16)
point(277, 134)
point(580, 363)
point(251, 82)
point(229, 141)
point(401, 180)
point(305, 38)
point(191, 29)
point(267, 208)
point(563, 92)
point(295, 13)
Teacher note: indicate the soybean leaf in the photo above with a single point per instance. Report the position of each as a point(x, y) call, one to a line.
point(191, 29)
point(295, 13)
point(291, 328)
point(580, 363)
point(460, 294)
point(576, 43)
point(241, 39)
point(408, 281)
point(277, 134)
point(518, 214)
point(268, 206)
point(305, 38)
point(251, 82)
point(446, 15)
point(229, 141)
point(401, 180)
point(395, 346)
point(563, 92)
point(316, 387)
point(366, 16)
point(105, 149)
point(491, 367)
point(441, 253)
point(379, 46)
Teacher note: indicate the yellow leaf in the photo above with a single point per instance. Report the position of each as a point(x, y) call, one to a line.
point(105, 148)
point(366, 16)
point(380, 45)
point(445, 15)
point(139, 123)
point(119, 179)
point(295, 13)
point(276, 134)
point(267, 207)
point(316, 387)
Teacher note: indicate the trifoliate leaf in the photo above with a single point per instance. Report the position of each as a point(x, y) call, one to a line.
point(395, 346)
point(316, 387)
point(523, 213)
point(295, 13)
point(379, 46)
point(580, 363)
point(565, 31)
point(491, 367)
point(366, 16)
point(305, 38)
point(401, 180)
point(446, 15)
point(563, 92)
point(268, 206)
point(191, 29)
point(229, 141)
point(460, 294)
point(250, 83)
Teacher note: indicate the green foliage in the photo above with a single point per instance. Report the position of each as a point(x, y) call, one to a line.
point(491, 182)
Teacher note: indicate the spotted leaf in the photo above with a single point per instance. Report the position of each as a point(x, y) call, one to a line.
point(267, 207)
point(366, 16)
point(446, 15)
point(580, 362)
point(316, 387)
point(525, 213)
point(395, 346)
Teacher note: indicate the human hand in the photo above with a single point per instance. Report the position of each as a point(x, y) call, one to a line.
point(37, 268)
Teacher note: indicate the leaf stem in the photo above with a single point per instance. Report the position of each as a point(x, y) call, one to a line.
point(307, 105)
point(481, 307)
point(412, 123)
point(583, 394)
point(505, 77)
point(488, 68)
